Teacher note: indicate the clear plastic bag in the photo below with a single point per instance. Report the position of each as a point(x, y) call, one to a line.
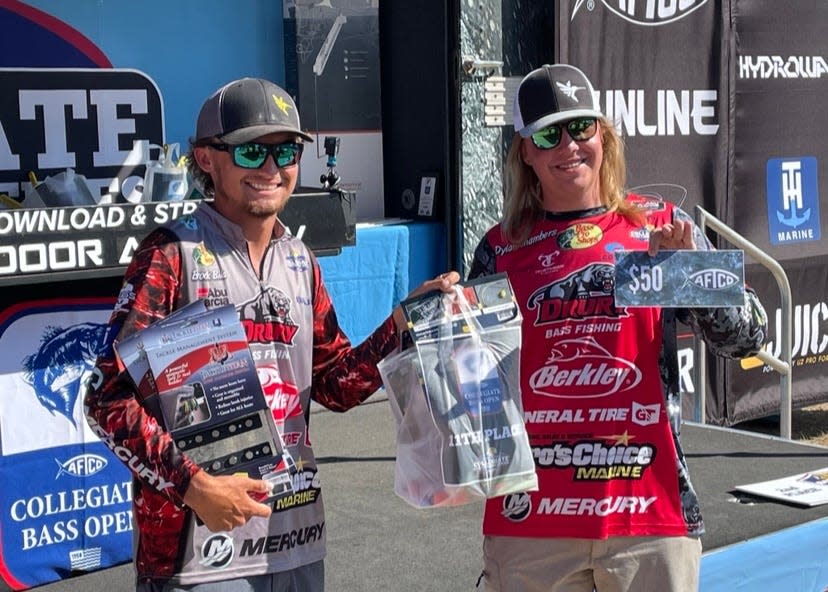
point(455, 396)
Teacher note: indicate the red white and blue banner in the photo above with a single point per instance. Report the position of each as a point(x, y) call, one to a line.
point(65, 499)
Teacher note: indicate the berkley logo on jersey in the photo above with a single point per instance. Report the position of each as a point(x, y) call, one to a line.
point(282, 397)
point(649, 13)
point(588, 292)
point(266, 317)
point(713, 279)
point(580, 236)
point(580, 368)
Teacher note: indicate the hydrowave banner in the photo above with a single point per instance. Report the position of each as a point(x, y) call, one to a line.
point(720, 105)
point(65, 498)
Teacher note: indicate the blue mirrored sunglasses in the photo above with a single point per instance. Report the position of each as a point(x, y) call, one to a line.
point(252, 155)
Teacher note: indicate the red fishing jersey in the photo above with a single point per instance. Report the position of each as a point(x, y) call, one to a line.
point(599, 383)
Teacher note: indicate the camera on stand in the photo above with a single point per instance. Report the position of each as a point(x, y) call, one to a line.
point(330, 178)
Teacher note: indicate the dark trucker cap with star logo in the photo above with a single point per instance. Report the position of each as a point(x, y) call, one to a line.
point(246, 109)
point(551, 94)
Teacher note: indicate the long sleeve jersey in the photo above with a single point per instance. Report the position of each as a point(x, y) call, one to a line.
point(301, 354)
point(599, 383)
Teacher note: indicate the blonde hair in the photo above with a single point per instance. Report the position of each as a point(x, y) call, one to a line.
point(523, 202)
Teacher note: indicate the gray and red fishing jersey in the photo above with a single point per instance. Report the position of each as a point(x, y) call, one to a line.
point(301, 354)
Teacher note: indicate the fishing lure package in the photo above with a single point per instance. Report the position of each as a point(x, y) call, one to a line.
point(455, 396)
point(196, 375)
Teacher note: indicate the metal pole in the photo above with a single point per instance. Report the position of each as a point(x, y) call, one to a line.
point(782, 364)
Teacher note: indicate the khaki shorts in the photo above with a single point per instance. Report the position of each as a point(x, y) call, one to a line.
point(618, 564)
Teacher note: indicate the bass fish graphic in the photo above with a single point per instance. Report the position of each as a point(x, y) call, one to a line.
point(56, 371)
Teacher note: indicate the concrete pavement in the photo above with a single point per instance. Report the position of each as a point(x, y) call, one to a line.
point(376, 541)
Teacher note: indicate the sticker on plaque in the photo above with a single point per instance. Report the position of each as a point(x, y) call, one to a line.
point(678, 279)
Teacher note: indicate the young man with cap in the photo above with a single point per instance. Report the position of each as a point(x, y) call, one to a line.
point(196, 531)
point(615, 510)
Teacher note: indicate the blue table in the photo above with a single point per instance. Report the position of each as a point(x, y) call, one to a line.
point(389, 260)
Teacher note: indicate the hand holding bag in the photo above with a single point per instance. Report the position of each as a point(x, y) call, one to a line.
point(456, 398)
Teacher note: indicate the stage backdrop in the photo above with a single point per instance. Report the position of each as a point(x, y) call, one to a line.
point(719, 103)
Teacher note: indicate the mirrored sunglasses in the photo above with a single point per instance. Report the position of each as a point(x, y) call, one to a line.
point(580, 129)
point(252, 155)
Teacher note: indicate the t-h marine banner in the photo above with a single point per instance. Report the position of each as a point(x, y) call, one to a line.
point(721, 100)
point(780, 167)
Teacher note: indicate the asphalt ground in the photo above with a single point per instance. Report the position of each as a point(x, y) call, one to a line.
point(376, 541)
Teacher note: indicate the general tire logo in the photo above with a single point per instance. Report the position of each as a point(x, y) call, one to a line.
point(217, 551)
point(517, 507)
point(648, 13)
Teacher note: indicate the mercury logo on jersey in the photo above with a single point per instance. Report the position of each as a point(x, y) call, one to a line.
point(587, 506)
point(217, 551)
point(283, 542)
point(517, 506)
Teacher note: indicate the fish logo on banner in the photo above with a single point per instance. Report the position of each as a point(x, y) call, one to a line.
point(56, 371)
point(793, 200)
point(649, 13)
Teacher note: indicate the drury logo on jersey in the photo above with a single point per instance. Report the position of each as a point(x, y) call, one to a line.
point(266, 318)
point(588, 292)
